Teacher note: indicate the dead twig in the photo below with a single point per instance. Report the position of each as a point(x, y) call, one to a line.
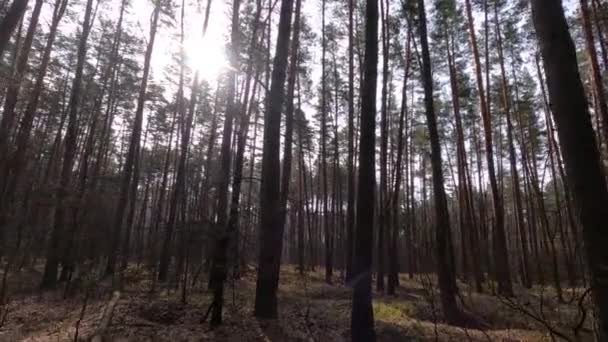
point(82, 311)
point(583, 313)
point(509, 303)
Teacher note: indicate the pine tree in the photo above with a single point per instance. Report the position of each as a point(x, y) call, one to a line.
point(362, 316)
point(581, 154)
point(271, 229)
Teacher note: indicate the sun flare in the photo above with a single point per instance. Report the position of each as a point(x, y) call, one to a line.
point(207, 56)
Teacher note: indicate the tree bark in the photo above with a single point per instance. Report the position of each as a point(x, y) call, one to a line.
point(596, 73)
point(362, 316)
point(9, 22)
point(383, 215)
point(578, 146)
point(445, 270)
point(10, 99)
point(350, 206)
point(271, 228)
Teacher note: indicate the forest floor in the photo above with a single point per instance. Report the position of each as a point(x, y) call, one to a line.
point(309, 309)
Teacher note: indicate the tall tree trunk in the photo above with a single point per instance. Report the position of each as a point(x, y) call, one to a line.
point(9, 22)
point(350, 206)
point(221, 215)
point(337, 181)
point(323, 156)
point(271, 228)
point(186, 118)
point(501, 258)
point(513, 158)
point(445, 269)
point(15, 168)
point(393, 255)
point(596, 73)
point(11, 97)
point(383, 214)
point(49, 277)
point(289, 112)
point(468, 229)
point(219, 271)
point(126, 243)
point(580, 151)
point(134, 145)
point(362, 316)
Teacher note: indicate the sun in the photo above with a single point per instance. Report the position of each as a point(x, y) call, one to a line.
point(207, 56)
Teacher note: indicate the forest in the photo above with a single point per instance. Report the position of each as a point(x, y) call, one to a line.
point(304, 170)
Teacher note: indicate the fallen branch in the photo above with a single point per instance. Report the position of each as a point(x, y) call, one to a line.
point(106, 318)
point(509, 303)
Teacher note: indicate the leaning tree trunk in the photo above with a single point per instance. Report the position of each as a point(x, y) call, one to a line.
point(49, 278)
point(581, 154)
point(10, 21)
point(14, 169)
point(10, 101)
point(596, 73)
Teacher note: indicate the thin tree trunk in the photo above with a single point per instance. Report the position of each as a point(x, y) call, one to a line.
point(513, 158)
point(134, 144)
point(49, 277)
point(220, 268)
point(467, 228)
point(271, 228)
point(501, 268)
point(445, 270)
point(179, 190)
point(393, 272)
point(383, 214)
point(323, 156)
point(350, 208)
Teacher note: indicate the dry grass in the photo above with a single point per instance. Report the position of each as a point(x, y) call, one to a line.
point(310, 310)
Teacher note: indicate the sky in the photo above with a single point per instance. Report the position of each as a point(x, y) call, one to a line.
point(206, 55)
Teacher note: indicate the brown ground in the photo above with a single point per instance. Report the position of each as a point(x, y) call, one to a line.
point(310, 310)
